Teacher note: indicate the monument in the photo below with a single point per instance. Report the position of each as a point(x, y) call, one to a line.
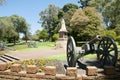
point(62, 41)
point(62, 31)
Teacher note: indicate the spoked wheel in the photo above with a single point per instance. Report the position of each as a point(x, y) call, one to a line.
point(71, 57)
point(107, 52)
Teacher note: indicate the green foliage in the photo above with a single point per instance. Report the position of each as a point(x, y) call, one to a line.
point(109, 33)
point(40, 35)
point(86, 23)
point(19, 23)
point(111, 14)
point(43, 35)
point(35, 37)
point(50, 21)
point(99, 4)
point(117, 29)
point(69, 10)
point(7, 29)
point(10, 27)
point(55, 37)
point(118, 39)
point(109, 10)
point(69, 6)
point(84, 3)
point(60, 14)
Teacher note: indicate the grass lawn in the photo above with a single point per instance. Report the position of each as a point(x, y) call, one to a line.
point(63, 57)
point(40, 46)
point(57, 57)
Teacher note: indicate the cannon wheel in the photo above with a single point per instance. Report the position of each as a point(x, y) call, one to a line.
point(71, 57)
point(107, 52)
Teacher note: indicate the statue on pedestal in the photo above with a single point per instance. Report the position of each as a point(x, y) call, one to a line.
point(62, 41)
point(63, 31)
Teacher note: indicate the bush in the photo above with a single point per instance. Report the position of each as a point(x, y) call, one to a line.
point(109, 33)
point(118, 40)
point(55, 37)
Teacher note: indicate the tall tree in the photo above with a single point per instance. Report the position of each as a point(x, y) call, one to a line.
point(86, 23)
point(99, 4)
point(83, 3)
point(7, 29)
point(19, 23)
point(69, 9)
point(109, 11)
point(69, 6)
point(49, 18)
point(111, 14)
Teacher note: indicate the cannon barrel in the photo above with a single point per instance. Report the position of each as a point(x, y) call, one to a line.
point(97, 38)
point(105, 47)
point(90, 46)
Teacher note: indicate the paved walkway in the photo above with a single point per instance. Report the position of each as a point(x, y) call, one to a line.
point(38, 53)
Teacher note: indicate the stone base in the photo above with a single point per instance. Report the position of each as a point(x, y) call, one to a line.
point(91, 71)
point(109, 70)
point(61, 43)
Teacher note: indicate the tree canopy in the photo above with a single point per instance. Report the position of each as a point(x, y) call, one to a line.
point(86, 23)
point(11, 26)
point(109, 11)
point(50, 21)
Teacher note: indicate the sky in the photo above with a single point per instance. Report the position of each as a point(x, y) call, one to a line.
point(30, 9)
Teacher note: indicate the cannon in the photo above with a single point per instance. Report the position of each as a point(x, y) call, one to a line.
point(104, 47)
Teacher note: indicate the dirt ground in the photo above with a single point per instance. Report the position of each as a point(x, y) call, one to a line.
point(38, 53)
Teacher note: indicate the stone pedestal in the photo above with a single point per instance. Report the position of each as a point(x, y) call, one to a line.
point(61, 43)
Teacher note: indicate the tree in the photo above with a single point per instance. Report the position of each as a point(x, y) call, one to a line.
point(6, 29)
point(109, 11)
point(20, 25)
point(10, 27)
point(2, 2)
point(42, 34)
point(99, 4)
point(69, 9)
point(111, 15)
point(86, 23)
point(69, 6)
point(83, 3)
point(50, 21)
point(36, 35)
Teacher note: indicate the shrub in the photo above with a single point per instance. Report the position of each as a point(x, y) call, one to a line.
point(55, 37)
point(118, 40)
point(109, 33)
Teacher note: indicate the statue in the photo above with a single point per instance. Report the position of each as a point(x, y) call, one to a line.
point(62, 31)
point(62, 41)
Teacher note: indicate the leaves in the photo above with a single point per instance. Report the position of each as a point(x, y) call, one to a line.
point(86, 23)
point(10, 27)
point(49, 18)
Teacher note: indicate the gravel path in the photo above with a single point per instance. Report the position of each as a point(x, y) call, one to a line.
point(38, 53)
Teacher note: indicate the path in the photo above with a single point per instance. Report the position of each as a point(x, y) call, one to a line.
point(38, 53)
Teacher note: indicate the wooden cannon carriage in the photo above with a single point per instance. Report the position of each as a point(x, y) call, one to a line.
point(104, 47)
